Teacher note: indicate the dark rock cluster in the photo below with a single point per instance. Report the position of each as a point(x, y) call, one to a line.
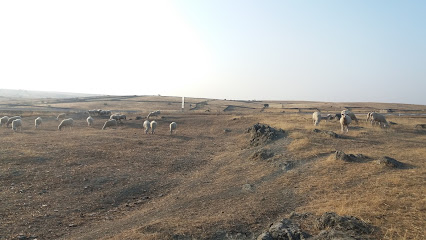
point(328, 226)
point(328, 133)
point(262, 134)
point(339, 155)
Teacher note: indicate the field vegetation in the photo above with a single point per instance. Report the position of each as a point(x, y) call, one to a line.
point(207, 181)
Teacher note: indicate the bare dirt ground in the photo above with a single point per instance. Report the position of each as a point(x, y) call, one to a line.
point(206, 181)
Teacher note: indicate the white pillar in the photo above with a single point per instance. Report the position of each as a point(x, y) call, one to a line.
point(183, 103)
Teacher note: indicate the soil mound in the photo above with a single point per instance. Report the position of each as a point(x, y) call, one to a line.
point(262, 134)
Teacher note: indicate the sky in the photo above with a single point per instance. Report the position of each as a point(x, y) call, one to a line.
point(330, 50)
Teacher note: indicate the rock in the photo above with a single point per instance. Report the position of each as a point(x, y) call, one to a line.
point(331, 134)
point(262, 134)
point(330, 225)
point(287, 230)
point(330, 220)
point(248, 188)
point(138, 118)
point(262, 154)
point(181, 237)
point(390, 162)
point(227, 130)
point(22, 237)
point(328, 133)
point(332, 235)
point(265, 236)
point(340, 155)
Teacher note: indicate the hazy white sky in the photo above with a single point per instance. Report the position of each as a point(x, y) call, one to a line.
point(239, 49)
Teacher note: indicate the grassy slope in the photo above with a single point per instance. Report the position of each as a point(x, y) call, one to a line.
point(122, 184)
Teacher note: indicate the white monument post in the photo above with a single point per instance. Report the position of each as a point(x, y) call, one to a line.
point(183, 103)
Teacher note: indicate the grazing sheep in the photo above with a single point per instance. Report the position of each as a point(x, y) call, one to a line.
point(93, 112)
point(4, 120)
point(338, 116)
point(109, 123)
point(146, 126)
point(369, 116)
point(329, 117)
point(37, 122)
point(153, 126)
point(61, 116)
point(345, 120)
point(350, 114)
point(11, 120)
point(104, 112)
point(154, 113)
point(89, 121)
point(380, 119)
point(66, 123)
point(17, 123)
point(173, 126)
point(316, 117)
point(118, 117)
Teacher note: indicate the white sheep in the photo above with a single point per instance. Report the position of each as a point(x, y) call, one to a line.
point(11, 120)
point(17, 123)
point(369, 116)
point(4, 120)
point(61, 116)
point(173, 126)
point(329, 117)
point(316, 117)
point(345, 120)
point(154, 113)
point(350, 114)
point(66, 123)
point(104, 112)
point(89, 121)
point(146, 126)
point(153, 126)
point(118, 117)
point(380, 119)
point(93, 112)
point(109, 123)
point(37, 122)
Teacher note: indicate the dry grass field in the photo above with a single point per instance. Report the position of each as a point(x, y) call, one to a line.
point(205, 181)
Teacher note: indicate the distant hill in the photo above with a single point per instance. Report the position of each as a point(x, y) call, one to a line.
point(18, 93)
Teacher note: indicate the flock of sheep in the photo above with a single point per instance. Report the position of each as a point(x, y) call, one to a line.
point(346, 117)
point(114, 119)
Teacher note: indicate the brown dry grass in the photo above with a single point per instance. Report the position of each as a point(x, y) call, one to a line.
point(119, 183)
